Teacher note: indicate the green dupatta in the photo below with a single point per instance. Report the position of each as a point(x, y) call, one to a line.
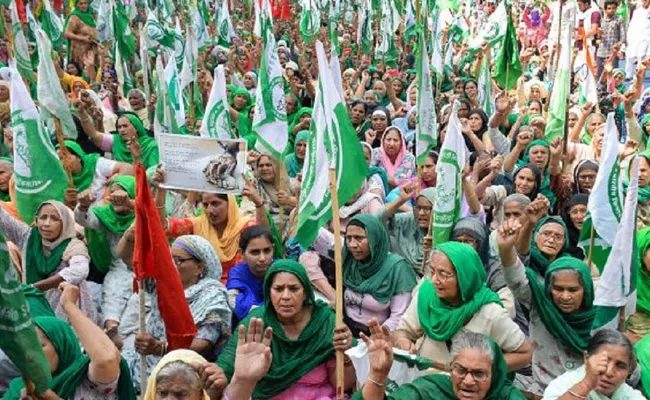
point(73, 365)
point(545, 187)
point(292, 359)
point(39, 266)
point(538, 261)
point(385, 274)
point(84, 179)
point(643, 279)
point(121, 152)
point(644, 192)
point(572, 330)
point(439, 386)
point(293, 164)
point(6, 161)
point(442, 321)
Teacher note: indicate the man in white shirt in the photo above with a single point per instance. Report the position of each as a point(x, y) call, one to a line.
point(639, 29)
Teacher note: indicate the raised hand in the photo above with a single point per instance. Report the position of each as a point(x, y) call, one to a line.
point(86, 199)
point(507, 235)
point(556, 147)
point(537, 209)
point(158, 176)
point(69, 293)
point(213, 378)
point(380, 353)
point(250, 192)
point(595, 366)
point(253, 357)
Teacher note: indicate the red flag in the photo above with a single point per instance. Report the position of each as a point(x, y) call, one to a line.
point(281, 9)
point(152, 258)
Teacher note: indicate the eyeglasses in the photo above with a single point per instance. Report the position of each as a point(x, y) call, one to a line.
point(461, 372)
point(444, 276)
point(181, 261)
point(557, 237)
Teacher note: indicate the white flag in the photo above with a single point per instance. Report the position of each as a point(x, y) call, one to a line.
point(216, 122)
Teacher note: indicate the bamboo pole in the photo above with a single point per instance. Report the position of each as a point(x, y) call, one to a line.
point(338, 262)
point(591, 245)
point(425, 253)
point(143, 329)
point(621, 319)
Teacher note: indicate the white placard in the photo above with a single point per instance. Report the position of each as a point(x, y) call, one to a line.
point(203, 164)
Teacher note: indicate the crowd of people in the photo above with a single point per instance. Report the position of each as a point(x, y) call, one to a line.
point(504, 309)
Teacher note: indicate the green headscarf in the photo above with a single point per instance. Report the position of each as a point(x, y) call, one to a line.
point(642, 350)
point(302, 111)
point(73, 365)
point(644, 121)
point(39, 265)
point(545, 187)
point(538, 261)
point(572, 330)
point(4, 196)
point(643, 277)
point(36, 301)
point(84, 179)
point(385, 274)
point(294, 166)
point(236, 91)
point(441, 321)
point(644, 191)
point(86, 17)
point(117, 223)
point(439, 386)
point(292, 359)
point(292, 117)
point(121, 152)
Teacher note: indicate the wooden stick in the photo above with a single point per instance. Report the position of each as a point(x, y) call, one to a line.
point(64, 154)
point(621, 319)
point(425, 254)
point(338, 262)
point(192, 111)
point(143, 329)
point(591, 245)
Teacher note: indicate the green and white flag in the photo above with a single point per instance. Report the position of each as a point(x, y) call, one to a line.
point(167, 11)
point(224, 25)
point(449, 190)
point(38, 172)
point(364, 29)
point(617, 284)
point(335, 67)
point(604, 216)
point(124, 79)
point(51, 24)
point(155, 33)
point(493, 30)
point(587, 89)
point(200, 29)
point(385, 49)
point(309, 26)
point(174, 99)
point(21, 51)
point(120, 27)
point(104, 25)
point(217, 122)
point(485, 87)
point(270, 119)
point(437, 57)
point(49, 89)
point(179, 45)
point(449, 56)
point(144, 61)
point(561, 89)
point(426, 135)
point(333, 144)
point(188, 73)
point(18, 338)
point(162, 118)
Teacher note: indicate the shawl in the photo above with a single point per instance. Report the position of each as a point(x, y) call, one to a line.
point(74, 80)
point(567, 380)
point(644, 191)
point(238, 91)
point(188, 357)
point(84, 179)
point(9, 163)
point(250, 288)
point(226, 246)
point(73, 364)
point(376, 170)
point(292, 162)
point(86, 17)
point(299, 114)
point(545, 187)
point(292, 359)
point(121, 152)
point(572, 330)
point(42, 257)
point(581, 166)
point(408, 235)
point(538, 261)
point(384, 274)
point(390, 167)
point(643, 278)
point(441, 321)
point(572, 230)
point(538, 180)
point(642, 351)
point(112, 221)
point(36, 301)
point(439, 386)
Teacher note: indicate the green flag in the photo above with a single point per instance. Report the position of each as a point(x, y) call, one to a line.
point(125, 41)
point(174, 97)
point(21, 52)
point(270, 118)
point(508, 67)
point(51, 24)
point(449, 191)
point(217, 121)
point(426, 135)
point(558, 105)
point(485, 86)
point(493, 30)
point(155, 33)
point(225, 27)
point(617, 285)
point(18, 339)
point(309, 21)
point(364, 29)
point(38, 172)
point(49, 89)
point(332, 144)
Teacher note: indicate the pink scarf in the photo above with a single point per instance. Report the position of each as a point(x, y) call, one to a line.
point(388, 165)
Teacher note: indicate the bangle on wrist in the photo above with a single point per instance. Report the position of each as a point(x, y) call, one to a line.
point(577, 395)
point(376, 383)
point(260, 205)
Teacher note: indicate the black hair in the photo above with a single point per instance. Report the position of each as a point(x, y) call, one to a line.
point(358, 223)
point(221, 196)
point(484, 120)
point(538, 180)
point(610, 2)
point(610, 337)
point(357, 102)
point(434, 156)
point(254, 232)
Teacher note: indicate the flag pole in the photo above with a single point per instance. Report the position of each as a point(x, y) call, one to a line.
point(425, 253)
point(591, 245)
point(338, 262)
point(143, 329)
point(621, 318)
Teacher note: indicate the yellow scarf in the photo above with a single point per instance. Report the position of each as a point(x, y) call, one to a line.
point(186, 356)
point(227, 245)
